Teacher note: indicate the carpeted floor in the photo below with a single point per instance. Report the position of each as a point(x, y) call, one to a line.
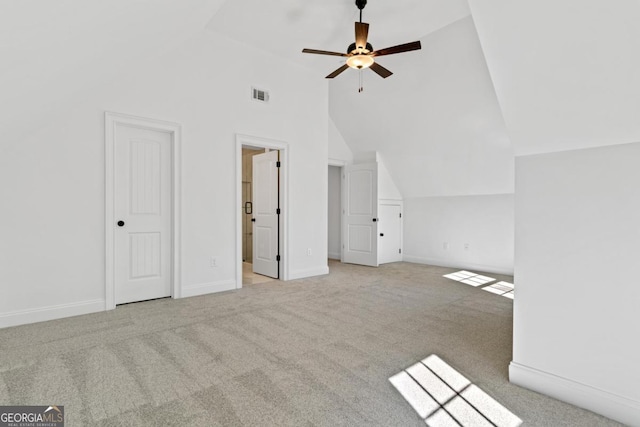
point(308, 352)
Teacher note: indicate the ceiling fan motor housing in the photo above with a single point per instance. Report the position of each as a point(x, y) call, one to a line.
point(352, 47)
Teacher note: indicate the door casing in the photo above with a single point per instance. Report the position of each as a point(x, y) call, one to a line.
point(340, 164)
point(112, 120)
point(283, 147)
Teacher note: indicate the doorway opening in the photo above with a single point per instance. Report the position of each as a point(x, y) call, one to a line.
point(334, 214)
point(261, 186)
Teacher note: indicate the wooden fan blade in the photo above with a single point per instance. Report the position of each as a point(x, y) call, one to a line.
point(398, 49)
point(380, 70)
point(323, 52)
point(338, 71)
point(362, 33)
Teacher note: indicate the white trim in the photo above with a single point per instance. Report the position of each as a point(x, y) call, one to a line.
point(336, 162)
point(334, 255)
point(452, 264)
point(208, 288)
point(111, 121)
point(619, 408)
point(255, 141)
point(42, 314)
point(311, 272)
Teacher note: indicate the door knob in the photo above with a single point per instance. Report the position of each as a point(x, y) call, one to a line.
point(381, 234)
point(120, 223)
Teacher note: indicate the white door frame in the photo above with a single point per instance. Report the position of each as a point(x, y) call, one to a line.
point(111, 121)
point(259, 142)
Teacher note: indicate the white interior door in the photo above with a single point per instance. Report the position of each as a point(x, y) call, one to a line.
point(361, 214)
point(143, 200)
point(389, 233)
point(265, 214)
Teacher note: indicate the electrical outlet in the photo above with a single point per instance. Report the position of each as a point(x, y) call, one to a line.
point(308, 251)
point(213, 261)
point(466, 246)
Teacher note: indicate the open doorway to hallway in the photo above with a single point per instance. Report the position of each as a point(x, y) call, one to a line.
point(334, 228)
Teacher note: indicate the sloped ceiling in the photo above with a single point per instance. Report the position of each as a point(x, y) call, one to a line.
point(565, 72)
point(436, 121)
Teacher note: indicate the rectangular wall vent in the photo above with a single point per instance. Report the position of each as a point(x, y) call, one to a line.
point(259, 95)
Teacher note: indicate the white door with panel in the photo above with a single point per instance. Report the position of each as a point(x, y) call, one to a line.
point(265, 214)
point(361, 214)
point(389, 233)
point(143, 201)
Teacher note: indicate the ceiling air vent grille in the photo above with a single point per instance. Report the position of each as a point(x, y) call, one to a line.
point(259, 95)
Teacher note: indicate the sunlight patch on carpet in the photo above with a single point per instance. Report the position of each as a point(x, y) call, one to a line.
point(443, 397)
point(469, 278)
point(504, 289)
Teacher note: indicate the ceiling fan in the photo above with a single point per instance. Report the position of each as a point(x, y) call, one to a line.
point(360, 54)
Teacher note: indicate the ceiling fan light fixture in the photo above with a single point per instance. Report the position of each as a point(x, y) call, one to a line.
point(359, 61)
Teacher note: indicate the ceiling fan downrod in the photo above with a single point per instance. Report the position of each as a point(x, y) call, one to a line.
point(361, 4)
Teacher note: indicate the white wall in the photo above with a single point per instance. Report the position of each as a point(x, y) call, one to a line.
point(566, 78)
point(485, 223)
point(52, 182)
point(576, 308)
point(56, 51)
point(338, 148)
point(335, 212)
point(387, 189)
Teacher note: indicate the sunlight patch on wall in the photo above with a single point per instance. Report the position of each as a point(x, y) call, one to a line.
point(444, 397)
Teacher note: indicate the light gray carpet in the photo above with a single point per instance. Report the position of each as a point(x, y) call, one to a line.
point(307, 352)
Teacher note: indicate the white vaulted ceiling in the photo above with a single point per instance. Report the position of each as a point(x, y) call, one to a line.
point(565, 72)
point(436, 120)
point(285, 27)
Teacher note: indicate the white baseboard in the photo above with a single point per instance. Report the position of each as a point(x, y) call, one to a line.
point(334, 255)
point(619, 408)
point(52, 312)
point(301, 274)
point(208, 288)
point(451, 264)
